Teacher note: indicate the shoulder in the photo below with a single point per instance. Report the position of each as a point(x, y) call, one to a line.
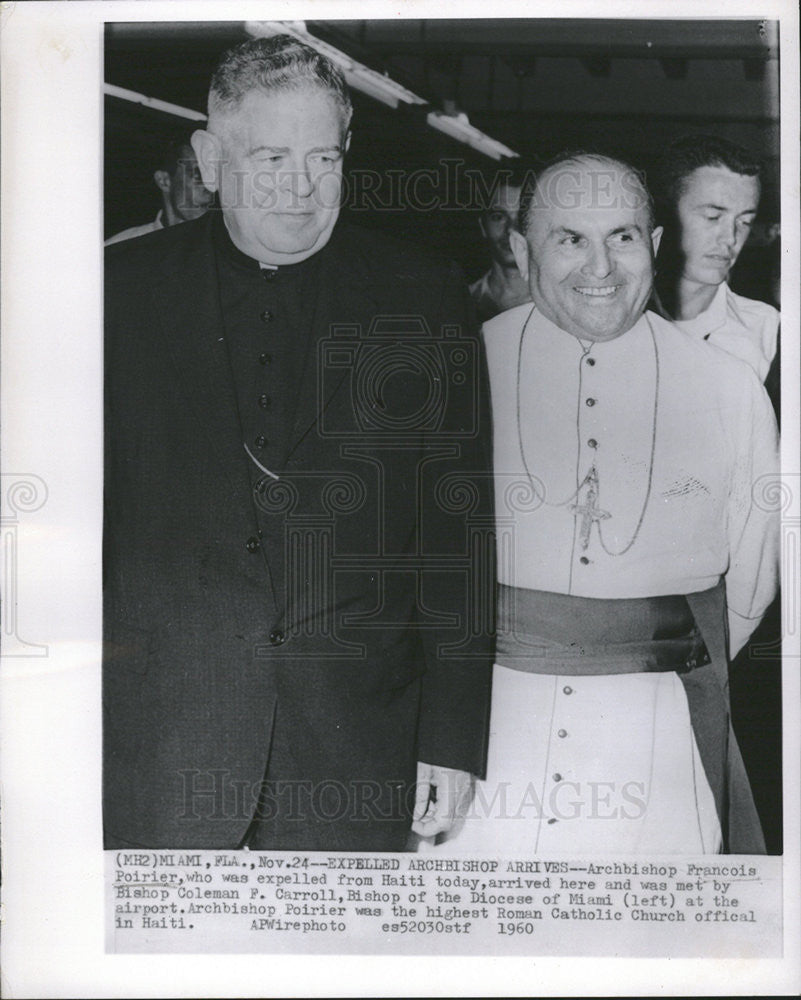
point(147, 252)
point(702, 367)
point(132, 233)
point(751, 309)
point(500, 326)
point(387, 256)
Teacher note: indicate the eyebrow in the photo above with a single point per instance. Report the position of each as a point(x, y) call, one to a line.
point(723, 208)
point(564, 231)
point(285, 149)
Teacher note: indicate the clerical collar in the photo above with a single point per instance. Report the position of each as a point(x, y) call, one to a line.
point(231, 252)
point(545, 326)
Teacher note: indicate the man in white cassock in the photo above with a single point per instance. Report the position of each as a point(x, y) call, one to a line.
point(634, 555)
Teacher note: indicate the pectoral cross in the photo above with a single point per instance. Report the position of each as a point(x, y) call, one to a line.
point(589, 510)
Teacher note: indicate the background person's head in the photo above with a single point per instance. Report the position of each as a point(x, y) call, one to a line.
point(184, 196)
point(279, 115)
point(707, 196)
point(588, 244)
point(500, 217)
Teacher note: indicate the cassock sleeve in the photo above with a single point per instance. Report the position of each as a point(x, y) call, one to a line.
point(456, 524)
point(754, 513)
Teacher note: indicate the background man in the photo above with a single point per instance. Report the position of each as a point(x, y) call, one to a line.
point(707, 199)
point(502, 287)
point(295, 440)
point(184, 196)
point(625, 456)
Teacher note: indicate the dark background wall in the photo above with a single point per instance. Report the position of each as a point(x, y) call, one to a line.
point(539, 86)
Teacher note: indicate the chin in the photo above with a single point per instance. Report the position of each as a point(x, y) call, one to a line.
point(295, 243)
point(711, 275)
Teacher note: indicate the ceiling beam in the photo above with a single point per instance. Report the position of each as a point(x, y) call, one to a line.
point(674, 69)
point(598, 65)
point(665, 38)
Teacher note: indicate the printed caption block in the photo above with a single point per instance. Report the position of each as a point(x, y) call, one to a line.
point(239, 901)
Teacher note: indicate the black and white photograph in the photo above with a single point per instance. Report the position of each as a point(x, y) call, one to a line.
point(418, 571)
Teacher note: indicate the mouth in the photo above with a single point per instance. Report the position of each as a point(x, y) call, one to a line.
point(596, 292)
point(719, 258)
point(294, 218)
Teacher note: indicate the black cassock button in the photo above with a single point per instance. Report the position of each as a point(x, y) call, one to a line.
point(265, 358)
point(264, 401)
point(261, 441)
point(265, 316)
point(590, 401)
point(277, 638)
point(268, 273)
point(252, 544)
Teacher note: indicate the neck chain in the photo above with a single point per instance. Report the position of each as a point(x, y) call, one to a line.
point(589, 511)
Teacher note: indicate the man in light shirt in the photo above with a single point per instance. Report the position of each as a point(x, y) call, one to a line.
point(708, 192)
point(634, 554)
point(183, 193)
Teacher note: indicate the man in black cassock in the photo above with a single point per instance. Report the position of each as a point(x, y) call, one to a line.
point(298, 576)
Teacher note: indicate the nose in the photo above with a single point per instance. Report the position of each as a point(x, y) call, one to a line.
point(727, 235)
point(598, 262)
point(296, 181)
point(303, 183)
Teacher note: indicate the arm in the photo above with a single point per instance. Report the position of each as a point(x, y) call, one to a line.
point(456, 534)
point(754, 516)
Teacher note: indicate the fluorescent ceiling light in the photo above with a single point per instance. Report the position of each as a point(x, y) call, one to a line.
point(458, 127)
point(360, 77)
point(153, 102)
point(383, 88)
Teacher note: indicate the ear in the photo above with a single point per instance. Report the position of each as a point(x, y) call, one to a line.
point(163, 181)
point(208, 151)
point(347, 142)
point(656, 238)
point(481, 225)
point(519, 246)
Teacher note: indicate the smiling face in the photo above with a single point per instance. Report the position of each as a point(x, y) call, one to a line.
point(498, 221)
point(277, 164)
point(589, 250)
point(715, 212)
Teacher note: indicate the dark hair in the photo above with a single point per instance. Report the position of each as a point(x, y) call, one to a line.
point(274, 64)
point(687, 154)
point(172, 150)
point(530, 187)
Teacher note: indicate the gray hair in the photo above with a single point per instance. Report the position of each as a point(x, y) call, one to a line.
point(280, 63)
